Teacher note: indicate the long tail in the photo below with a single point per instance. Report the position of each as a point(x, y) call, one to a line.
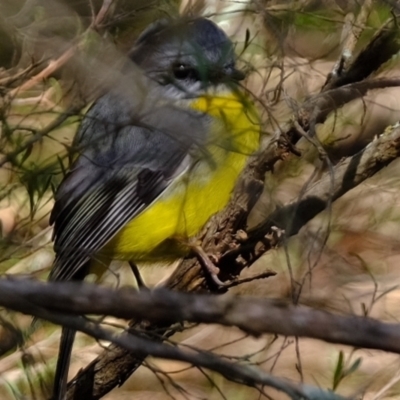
point(66, 341)
point(63, 361)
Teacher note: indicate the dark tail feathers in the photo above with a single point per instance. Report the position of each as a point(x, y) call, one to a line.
point(64, 358)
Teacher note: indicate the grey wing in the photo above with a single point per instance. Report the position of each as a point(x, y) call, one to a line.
point(121, 169)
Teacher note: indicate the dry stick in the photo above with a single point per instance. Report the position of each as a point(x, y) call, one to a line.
point(243, 374)
point(316, 109)
point(105, 7)
point(387, 387)
point(358, 27)
point(9, 80)
point(382, 47)
point(252, 315)
point(115, 365)
point(53, 66)
point(351, 32)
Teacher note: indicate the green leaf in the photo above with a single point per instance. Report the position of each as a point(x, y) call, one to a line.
point(247, 39)
point(61, 164)
point(26, 154)
point(338, 375)
point(353, 367)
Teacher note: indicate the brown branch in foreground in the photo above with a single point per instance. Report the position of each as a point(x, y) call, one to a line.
point(19, 293)
point(253, 315)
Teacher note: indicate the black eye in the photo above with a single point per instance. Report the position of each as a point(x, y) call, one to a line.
point(184, 71)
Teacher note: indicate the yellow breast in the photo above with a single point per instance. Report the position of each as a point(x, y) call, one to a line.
point(184, 208)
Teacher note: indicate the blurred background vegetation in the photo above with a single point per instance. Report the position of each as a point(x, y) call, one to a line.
point(56, 55)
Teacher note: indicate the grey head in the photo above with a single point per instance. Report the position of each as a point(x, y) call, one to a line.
point(186, 56)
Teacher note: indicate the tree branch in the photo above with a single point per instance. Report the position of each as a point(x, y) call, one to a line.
point(380, 49)
point(252, 315)
point(140, 345)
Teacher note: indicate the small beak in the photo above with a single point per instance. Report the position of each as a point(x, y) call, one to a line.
point(234, 74)
point(229, 73)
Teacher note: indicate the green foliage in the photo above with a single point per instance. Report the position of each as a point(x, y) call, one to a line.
point(322, 20)
point(37, 180)
point(342, 371)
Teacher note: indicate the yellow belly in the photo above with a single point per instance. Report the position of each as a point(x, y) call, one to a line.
point(184, 208)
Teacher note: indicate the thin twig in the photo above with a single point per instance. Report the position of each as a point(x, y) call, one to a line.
point(53, 66)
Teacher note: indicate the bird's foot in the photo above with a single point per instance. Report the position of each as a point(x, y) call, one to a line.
point(138, 276)
point(207, 262)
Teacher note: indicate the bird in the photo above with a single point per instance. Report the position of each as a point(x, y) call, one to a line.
point(155, 157)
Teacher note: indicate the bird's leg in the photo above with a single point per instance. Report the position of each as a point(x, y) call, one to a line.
point(206, 262)
point(138, 276)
